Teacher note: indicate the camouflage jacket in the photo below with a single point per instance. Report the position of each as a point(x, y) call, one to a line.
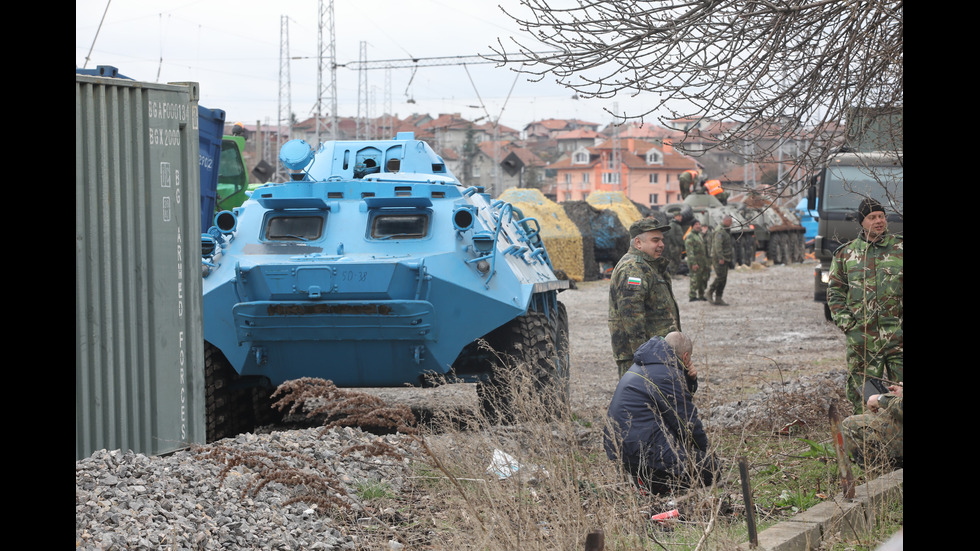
point(641, 302)
point(865, 290)
point(675, 237)
point(697, 250)
point(721, 245)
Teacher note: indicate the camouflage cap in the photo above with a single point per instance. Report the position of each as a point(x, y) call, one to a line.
point(656, 221)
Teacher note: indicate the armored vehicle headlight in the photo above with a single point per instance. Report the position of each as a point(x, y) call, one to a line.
point(483, 242)
point(463, 217)
point(226, 221)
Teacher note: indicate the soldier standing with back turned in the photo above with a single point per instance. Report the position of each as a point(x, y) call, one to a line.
point(641, 298)
point(675, 244)
point(722, 258)
point(697, 261)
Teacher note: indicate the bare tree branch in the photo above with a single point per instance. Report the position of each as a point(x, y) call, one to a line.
point(778, 69)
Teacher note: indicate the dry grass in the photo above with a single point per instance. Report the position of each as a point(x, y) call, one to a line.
point(564, 487)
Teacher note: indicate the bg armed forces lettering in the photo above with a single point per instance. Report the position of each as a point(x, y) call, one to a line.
point(641, 304)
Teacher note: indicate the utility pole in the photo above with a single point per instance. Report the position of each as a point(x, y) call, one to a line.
point(362, 94)
point(387, 130)
point(285, 93)
point(616, 155)
point(327, 63)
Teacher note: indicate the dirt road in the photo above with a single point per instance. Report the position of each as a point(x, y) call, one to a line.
point(772, 330)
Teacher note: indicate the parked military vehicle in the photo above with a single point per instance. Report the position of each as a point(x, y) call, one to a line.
point(776, 230)
point(710, 211)
point(375, 267)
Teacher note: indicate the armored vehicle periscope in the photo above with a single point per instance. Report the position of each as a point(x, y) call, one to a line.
point(375, 267)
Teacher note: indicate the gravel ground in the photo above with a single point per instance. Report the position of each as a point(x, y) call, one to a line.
point(768, 358)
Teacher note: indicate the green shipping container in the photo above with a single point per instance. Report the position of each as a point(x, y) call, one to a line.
point(139, 376)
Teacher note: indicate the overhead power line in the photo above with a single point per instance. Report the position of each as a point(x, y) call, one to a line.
point(415, 62)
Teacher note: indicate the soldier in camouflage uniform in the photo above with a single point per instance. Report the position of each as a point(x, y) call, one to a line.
point(688, 181)
point(641, 299)
point(698, 262)
point(865, 296)
point(723, 258)
point(876, 438)
point(674, 241)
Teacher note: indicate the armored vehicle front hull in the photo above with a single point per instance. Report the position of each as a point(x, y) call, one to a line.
point(373, 279)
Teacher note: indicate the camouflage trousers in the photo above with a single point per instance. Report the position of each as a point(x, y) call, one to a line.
point(699, 282)
point(866, 360)
point(873, 438)
point(623, 366)
point(718, 284)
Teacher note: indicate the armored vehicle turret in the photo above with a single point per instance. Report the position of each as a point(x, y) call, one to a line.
point(375, 267)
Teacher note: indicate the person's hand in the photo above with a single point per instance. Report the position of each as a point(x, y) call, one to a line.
point(873, 402)
point(896, 389)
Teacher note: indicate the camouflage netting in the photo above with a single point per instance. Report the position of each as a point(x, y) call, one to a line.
point(561, 236)
point(582, 215)
point(612, 232)
point(605, 237)
point(617, 202)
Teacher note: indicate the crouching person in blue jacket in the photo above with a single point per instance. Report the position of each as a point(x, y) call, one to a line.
point(653, 425)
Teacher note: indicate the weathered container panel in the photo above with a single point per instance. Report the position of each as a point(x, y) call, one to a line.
point(212, 124)
point(139, 374)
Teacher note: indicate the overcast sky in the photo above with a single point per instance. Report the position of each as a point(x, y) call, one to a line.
point(232, 48)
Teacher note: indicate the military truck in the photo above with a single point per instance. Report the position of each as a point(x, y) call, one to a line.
point(838, 189)
point(374, 266)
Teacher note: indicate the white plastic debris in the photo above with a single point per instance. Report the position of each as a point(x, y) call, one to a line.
point(503, 464)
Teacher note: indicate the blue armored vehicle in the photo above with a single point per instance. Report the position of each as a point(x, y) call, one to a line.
point(375, 267)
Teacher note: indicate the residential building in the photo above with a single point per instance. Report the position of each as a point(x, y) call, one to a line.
point(648, 172)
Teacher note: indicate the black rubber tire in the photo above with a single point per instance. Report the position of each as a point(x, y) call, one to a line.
point(799, 247)
point(775, 251)
point(745, 249)
point(233, 405)
point(219, 397)
point(537, 344)
point(563, 356)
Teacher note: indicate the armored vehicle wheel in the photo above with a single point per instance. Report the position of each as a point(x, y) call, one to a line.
point(231, 405)
point(529, 377)
point(775, 251)
point(745, 249)
point(799, 247)
point(563, 355)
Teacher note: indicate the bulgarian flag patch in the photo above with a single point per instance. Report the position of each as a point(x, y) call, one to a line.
point(633, 281)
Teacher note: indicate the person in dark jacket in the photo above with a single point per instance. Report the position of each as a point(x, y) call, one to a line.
point(653, 424)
